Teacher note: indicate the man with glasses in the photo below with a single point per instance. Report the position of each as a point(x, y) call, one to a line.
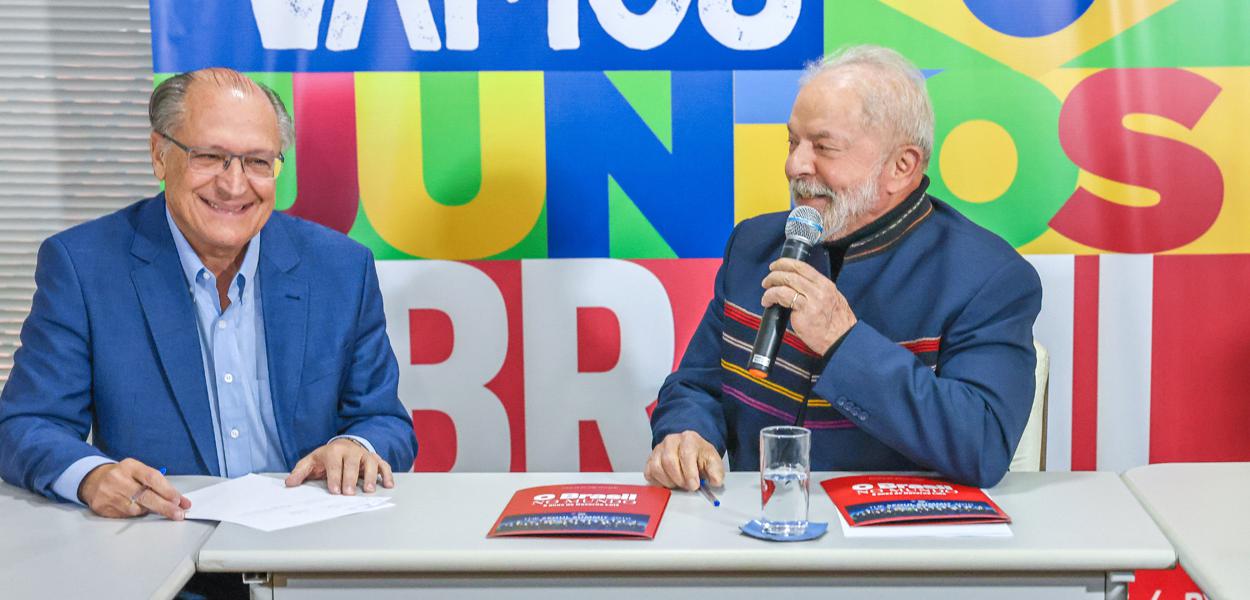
point(197, 332)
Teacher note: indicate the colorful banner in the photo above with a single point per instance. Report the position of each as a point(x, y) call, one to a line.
point(463, 35)
point(570, 171)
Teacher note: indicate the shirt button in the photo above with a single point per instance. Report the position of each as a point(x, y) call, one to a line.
point(229, 378)
point(221, 324)
point(234, 434)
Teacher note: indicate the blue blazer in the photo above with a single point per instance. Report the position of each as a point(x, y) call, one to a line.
point(937, 373)
point(111, 347)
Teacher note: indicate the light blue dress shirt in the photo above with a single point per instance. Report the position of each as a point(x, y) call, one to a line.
point(236, 371)
point(236, 367)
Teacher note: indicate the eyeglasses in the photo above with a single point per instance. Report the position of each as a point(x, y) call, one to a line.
point(215, 162)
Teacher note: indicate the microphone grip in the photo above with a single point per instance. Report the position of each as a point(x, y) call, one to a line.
point(776, 318)
point(768, 340)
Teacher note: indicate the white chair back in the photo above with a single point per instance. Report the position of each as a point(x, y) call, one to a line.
point(1031, 453)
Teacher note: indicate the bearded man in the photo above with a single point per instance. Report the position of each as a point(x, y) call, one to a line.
point(919, 357)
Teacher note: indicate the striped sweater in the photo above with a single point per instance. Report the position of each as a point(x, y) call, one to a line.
point(936, 375)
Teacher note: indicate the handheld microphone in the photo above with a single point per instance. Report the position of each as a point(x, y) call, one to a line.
point(803, 230)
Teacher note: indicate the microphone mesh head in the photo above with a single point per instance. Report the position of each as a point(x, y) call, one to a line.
point(804, 224)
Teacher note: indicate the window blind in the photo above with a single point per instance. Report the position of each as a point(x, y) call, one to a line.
point(74, 84)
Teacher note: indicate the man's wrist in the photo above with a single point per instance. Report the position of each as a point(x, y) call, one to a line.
point(827, 355)
point(89, 483)
point(66, 485)
point(362, 442)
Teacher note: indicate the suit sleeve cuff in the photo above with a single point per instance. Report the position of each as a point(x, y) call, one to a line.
point(357, 439)
point(823, 361)
point(66, 485)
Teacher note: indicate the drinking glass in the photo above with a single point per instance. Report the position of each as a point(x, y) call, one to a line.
point(785, 466)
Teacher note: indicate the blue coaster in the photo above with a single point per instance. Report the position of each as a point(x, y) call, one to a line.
point(755, 529)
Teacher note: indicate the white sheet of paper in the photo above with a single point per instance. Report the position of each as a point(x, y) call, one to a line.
point(265, 503)
point(947, 530)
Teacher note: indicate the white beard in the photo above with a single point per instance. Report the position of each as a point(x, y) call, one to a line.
point(844, 206)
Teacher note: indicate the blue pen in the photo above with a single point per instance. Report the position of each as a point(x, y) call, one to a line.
point(707, 493)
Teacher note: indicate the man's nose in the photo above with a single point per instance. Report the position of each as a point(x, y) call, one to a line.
point(799, 162)
point(233, 180)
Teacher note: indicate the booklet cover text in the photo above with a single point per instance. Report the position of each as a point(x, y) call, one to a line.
point(902, 500)
point(609, 510)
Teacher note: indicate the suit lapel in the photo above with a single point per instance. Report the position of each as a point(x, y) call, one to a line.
point(285, 307)
point(170, 316)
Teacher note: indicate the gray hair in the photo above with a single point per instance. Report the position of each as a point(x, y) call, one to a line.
point(894, 97)
point(167, 107)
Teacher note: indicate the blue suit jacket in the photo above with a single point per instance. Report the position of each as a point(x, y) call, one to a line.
point(111, 346)
point(937, 374)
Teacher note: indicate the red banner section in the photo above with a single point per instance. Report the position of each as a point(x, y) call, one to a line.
point(498, 309)
point(1170, 584)
point(1199, 356)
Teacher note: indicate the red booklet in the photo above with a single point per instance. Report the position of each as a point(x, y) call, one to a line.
point(908, 500)
point(590, 509)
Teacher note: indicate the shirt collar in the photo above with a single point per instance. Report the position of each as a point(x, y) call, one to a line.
point(192, 266)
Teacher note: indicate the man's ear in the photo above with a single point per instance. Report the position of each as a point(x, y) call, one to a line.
point(902, 169)
point(157, 146)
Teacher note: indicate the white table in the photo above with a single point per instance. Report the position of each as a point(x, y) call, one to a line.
point(53, 550)
point(1076, 535)
point(1201, 507)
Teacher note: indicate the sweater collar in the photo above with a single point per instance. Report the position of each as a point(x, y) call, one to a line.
point(887, 229)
